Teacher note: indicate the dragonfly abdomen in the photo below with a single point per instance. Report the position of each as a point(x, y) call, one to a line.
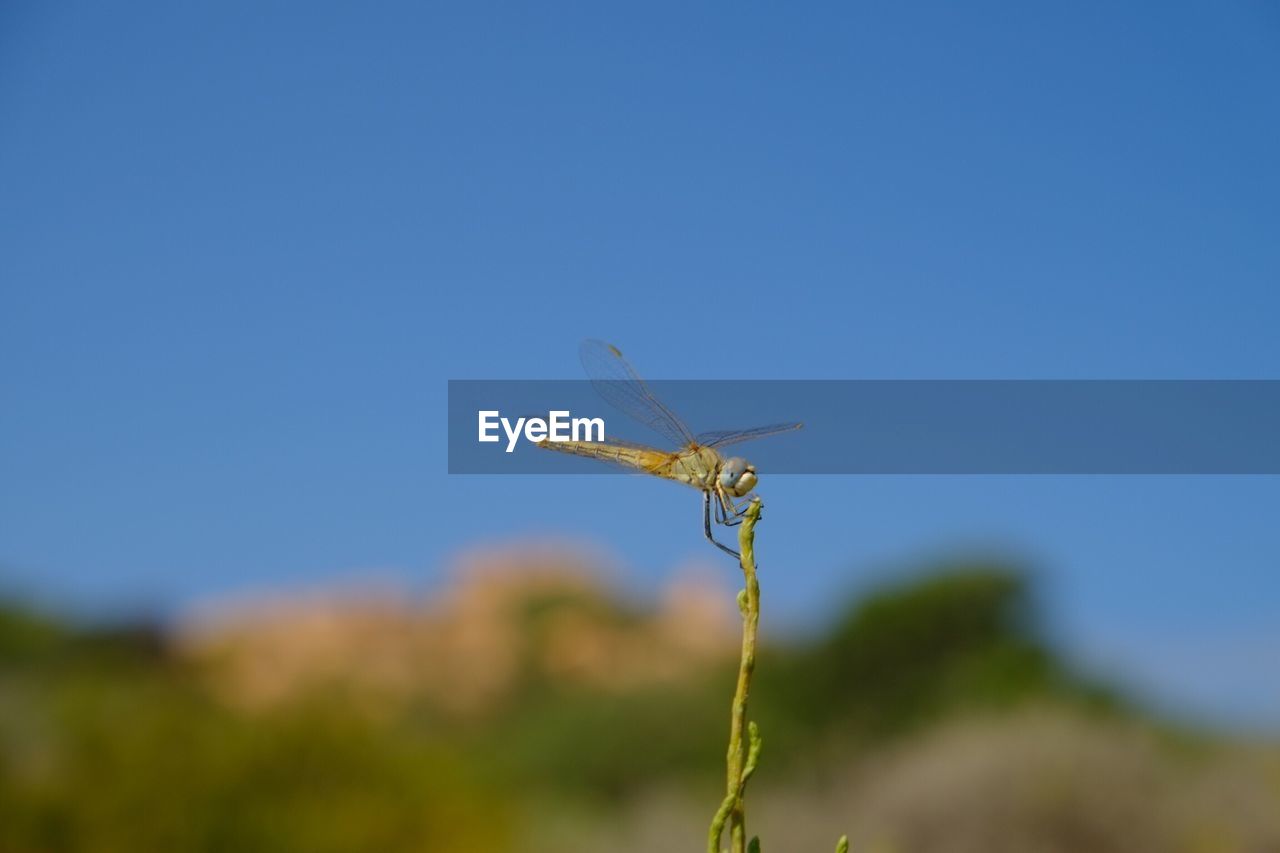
point(649, 461)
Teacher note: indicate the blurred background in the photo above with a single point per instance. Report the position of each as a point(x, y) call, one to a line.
point(243, 247)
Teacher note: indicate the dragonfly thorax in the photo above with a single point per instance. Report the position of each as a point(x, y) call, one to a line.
point(697, 466)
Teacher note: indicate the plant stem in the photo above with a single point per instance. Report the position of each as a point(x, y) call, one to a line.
point(743, 752)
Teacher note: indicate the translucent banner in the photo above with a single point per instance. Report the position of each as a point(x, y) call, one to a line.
point(882, 427)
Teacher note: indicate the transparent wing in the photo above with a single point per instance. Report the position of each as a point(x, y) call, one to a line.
point(722, 437)
point(622, 388)
point(634, 445)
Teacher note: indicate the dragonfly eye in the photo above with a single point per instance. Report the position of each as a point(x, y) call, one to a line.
point(737, 476)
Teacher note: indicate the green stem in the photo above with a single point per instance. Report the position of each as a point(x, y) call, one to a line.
point(743, 752)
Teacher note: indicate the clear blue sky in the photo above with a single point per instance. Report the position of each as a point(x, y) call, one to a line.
point(243, 246)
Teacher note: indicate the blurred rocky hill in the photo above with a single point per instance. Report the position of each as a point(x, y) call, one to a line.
point(505, 618)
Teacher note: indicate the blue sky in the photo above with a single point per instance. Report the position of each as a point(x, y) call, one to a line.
point(243, 247)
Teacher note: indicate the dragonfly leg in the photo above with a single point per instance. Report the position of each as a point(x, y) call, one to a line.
point(706, 527)
point(729, 514)
point(728, 517)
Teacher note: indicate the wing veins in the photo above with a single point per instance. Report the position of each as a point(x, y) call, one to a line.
point(618, 383)
point(725, 437)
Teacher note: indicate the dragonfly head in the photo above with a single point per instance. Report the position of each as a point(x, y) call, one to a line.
point(737, 476)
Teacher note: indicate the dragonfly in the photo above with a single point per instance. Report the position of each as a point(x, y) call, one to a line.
point(726, 483)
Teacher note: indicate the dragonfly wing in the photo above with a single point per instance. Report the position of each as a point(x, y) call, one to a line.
point(634, 445)
point(620, 386)
point(724, 437)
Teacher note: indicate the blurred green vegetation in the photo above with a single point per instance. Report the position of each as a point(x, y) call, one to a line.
point(110, 741)
point(965, 637)
point(109, 744)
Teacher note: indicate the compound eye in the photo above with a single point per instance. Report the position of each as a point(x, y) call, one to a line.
point(736, 476)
